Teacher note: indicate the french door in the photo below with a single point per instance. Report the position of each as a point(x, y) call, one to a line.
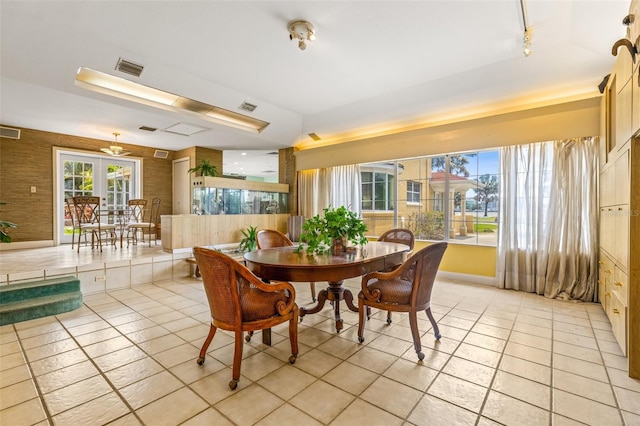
point(115, 180)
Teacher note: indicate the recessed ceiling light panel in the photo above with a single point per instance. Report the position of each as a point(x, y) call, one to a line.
point(185, 129)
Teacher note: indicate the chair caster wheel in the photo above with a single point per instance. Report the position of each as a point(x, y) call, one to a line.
point(420, 356)
point(292, 359)
point(200, 360)
point(233, 384)
point(438, 336)
point(388, 321)
point(247, 338)
point(360, 339)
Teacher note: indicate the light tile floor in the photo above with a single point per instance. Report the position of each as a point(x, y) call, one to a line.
point(127, 357)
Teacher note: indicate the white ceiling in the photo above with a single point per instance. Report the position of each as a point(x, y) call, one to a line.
point(375, 64)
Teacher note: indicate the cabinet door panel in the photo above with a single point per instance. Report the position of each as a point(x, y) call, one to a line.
point(623, 114)
point(620, 285)
point(635, 89)
point(621, 233)
point(621, 180)
point(618, 317)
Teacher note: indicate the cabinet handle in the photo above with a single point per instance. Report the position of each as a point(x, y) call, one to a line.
point(608, 294)
point(619, 209)
point(600, 262)
point(607, 271)
point(616, 311)
point(618, 283)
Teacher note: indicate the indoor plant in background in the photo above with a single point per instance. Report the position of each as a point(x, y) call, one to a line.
point(205, 168)
point(4, 224)
point(250, 240)
point(332, 231)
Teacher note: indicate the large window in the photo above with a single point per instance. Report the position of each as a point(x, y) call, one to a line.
point(451, 197)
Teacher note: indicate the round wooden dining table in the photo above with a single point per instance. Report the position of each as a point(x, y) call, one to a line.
point(291, 264)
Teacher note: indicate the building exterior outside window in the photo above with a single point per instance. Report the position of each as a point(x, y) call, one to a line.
point(452, 197)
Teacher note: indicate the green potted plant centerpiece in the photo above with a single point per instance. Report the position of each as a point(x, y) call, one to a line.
point(332, 231)
point(205, 168)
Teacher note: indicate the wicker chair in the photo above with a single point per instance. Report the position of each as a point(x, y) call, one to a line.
point(239, 301)
point(405, 289)
point(269, 238)
point(400, 236)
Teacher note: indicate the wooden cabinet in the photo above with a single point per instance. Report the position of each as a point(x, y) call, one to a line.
point(619, 256)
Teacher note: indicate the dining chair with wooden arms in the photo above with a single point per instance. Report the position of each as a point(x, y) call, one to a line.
point(239, 301)
point(400, 236)
point(405, 289)
point(270, 238)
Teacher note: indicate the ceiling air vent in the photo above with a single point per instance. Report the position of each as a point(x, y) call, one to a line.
point(147, 128)
point(129, 67)
point(247, 106)
point(160, 154)
point(10, 133)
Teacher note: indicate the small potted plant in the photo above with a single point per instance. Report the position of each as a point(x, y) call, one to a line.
point(205, 168)
point(332, 231)
point(250, 240)
point(4, 224)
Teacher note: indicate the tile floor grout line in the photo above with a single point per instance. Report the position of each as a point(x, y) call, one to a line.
point(32, 374)
point(606, 372)
point(100, 372)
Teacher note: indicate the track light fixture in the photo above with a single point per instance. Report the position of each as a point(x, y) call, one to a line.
point(526, 43)
point(526, 39)
point(301, 31)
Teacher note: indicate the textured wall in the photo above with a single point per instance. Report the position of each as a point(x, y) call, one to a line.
point(28, 162)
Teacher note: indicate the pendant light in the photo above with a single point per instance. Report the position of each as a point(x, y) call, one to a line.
point(115, 150)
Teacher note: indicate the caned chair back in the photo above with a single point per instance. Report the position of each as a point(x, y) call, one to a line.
point(269, 238)
point(426, 263)
point(400, 236)
point(221, 284)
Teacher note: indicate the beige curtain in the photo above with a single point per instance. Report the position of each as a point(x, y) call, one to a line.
point(331, 186)
point(548, 219)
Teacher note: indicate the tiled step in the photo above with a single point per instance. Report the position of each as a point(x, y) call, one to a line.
point(21, 302)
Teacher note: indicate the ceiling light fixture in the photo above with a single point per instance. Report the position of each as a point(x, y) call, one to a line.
point(301, 31)
point(526, 43)
point(526, 39)
point(115, 150)
point(124, 89)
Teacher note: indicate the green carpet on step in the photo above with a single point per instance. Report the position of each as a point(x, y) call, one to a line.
point(39, 307)
point(15, 292)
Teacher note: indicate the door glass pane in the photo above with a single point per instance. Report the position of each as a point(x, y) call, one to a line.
point(78, 180)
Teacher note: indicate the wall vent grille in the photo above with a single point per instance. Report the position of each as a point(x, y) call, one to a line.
point(9, 133)
point(160, 154)
point(129, 67)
